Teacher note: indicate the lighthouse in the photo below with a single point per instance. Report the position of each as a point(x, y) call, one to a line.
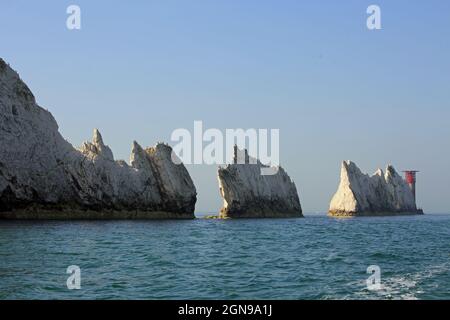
point(410, 177)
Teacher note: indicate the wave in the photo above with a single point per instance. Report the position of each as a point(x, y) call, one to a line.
point(409, 286)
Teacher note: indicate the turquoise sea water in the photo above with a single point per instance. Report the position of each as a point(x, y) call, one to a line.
point(311, 258)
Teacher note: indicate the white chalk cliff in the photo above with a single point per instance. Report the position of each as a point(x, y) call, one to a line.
point(247, 193)
point(380, 194)
point(43, 176)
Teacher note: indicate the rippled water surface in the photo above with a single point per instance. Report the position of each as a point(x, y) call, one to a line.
point(311, 258)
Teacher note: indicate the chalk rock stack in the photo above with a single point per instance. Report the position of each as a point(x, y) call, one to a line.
point(252, 190)
point(380, 194)
point(43, 177)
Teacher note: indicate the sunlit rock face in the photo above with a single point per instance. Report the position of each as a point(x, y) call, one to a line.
point(380, 194)
point(43, 177)
point(247, 193)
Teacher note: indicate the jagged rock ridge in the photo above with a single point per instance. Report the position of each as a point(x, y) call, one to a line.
point(43, 176)
point(359, 194)
point(249, 194)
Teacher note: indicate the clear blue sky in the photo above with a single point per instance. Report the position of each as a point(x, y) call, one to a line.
point(140, 69)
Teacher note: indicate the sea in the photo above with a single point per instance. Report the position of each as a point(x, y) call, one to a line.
point(316, 257)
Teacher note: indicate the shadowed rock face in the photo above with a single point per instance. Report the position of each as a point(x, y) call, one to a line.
point(248, 194)
point(380, 194)
point(43, 176)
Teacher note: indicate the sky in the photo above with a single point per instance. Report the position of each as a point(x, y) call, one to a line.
point(138, 70)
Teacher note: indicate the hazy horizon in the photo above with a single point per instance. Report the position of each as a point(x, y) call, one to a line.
point(336, 90)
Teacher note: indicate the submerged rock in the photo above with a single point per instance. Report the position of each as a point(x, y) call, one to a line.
point(43, 177)
point(380, 194)
point(249, 194)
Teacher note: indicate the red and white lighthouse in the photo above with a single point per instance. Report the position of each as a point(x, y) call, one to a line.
point(410, 177)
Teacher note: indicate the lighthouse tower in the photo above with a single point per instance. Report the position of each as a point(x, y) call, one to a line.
point(410, 177)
